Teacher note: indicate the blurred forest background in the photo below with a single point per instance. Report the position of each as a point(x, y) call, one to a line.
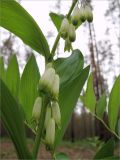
point(101, 55)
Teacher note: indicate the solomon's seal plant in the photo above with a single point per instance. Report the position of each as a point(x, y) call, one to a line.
point(45, 103)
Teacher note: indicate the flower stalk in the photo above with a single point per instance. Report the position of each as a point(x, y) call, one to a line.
point(58, 36)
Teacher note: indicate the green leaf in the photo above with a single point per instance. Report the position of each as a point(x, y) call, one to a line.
point(68, 68)
point(90, 99)
point(61, 156)
point(2, 70)
point(101, 105)
point(13, 76)
point(114, 104)
point(28, 87)
point(118, 127)
point(112, 158)
point(67, 100)
point(18, 21)
point(13, 121)
point(106, 151)
point(56, 19)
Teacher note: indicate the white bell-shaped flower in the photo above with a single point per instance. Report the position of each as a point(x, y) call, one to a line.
point(72, 34)
point(49, 65)
point(68, 45)
point(56, 113)
point(75, 16)
point(46, 81)
point(37, 108)
point(82, 14)
point(50, 132)
point(64, 28)
point(88, 13)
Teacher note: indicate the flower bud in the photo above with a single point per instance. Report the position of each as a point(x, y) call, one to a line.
point(88, 13)
point(50, 132)
point(82, 14)
point(68, 46)
point(72, 34)
point(64, 28)
point(46, 81)
point(55, 87)
point(75, 16)
point(48, 115)
point(37, 108)
point(56, 113)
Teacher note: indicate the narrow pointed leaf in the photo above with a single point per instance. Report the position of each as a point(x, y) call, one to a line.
point(12, 119)
point(67, 100)
point(56, 19)
point(13, 76)
point(106, 151)
point(114, 104)
point(28, 87)
point(18, 21)
point(90, 99)
point(101, 105)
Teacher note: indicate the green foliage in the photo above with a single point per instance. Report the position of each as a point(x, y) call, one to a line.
point(56, 19)
point(67, 100)
point(69, 68)
point(90, 99)
point(113, 107)
point(18, 21)
point(106, 151)
point(13, 120)
point(28, 87)
point(13, 76)
point(114, 104)
point(101, 105)
point(61, 156)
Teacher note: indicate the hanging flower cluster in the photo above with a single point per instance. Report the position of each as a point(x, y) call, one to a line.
point(68, 27)
point(67, 32)
point(82, 14)
point(49, 85)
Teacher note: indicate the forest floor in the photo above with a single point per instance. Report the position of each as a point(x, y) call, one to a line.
point(76, 151)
